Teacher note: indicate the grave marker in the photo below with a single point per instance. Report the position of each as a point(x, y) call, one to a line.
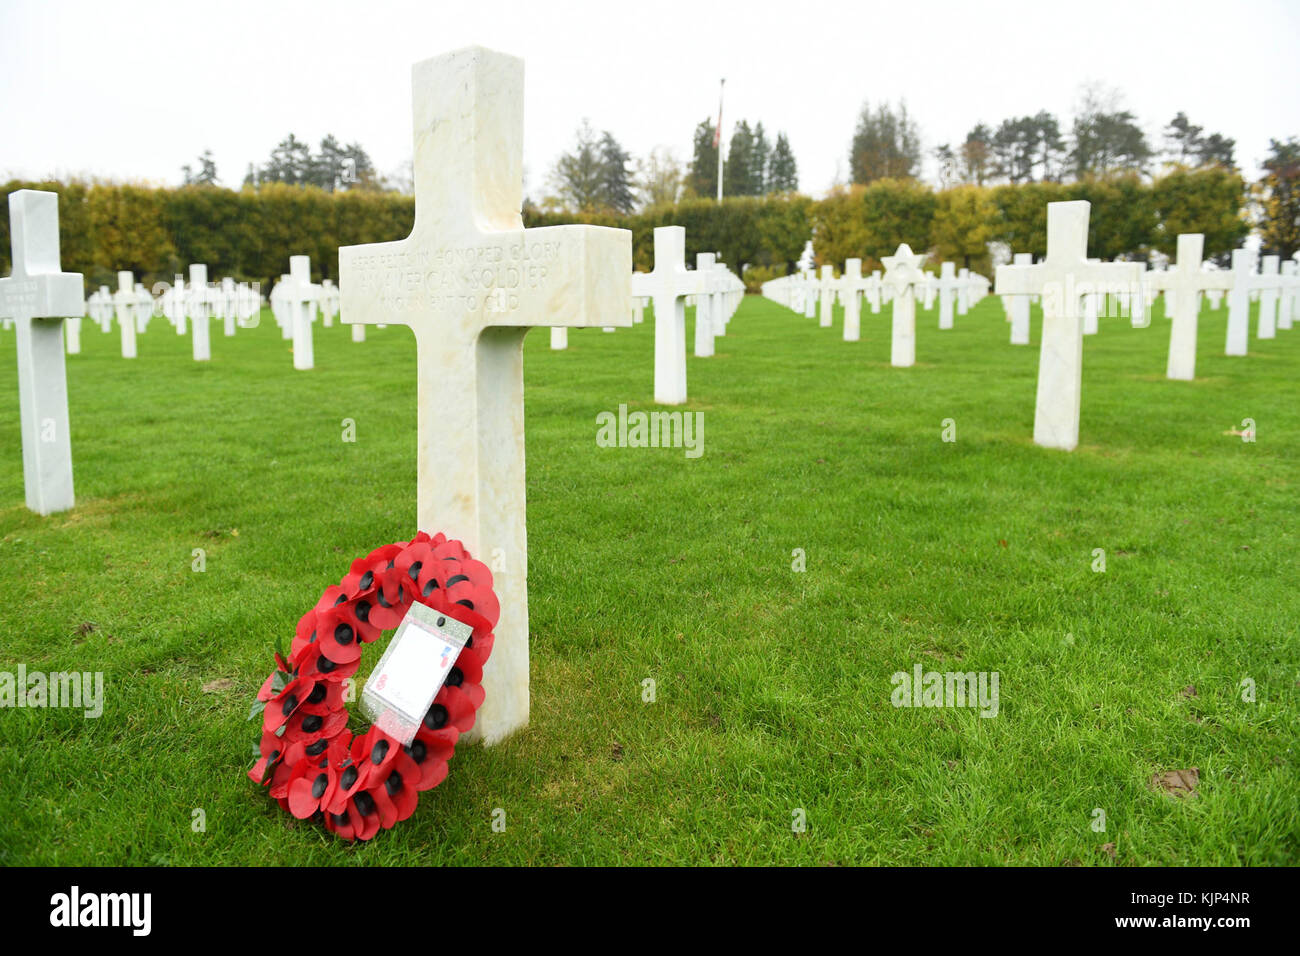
point(1187, 280)
point(1063, 278)
point(37, 295)
point(902, 276)
point(470, 281)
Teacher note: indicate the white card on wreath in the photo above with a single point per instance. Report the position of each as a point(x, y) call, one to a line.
point(412, 671)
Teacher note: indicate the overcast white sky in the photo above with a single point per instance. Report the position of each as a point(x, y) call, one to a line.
point(134, 90)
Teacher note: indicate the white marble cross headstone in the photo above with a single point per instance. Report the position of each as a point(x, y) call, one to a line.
point(470, 281)
point(1063, 278)
point(852, 284)
point(668, 285)
point(902, 275)
point(1187, 280)
point(198, 307)
point(874, 291)
point(1018, 305)
point(229, 307)
point(1243, 271)
point(1286, 303)
point(809, 293)
point(300, 297)
point(126, 304)
point(38, 296)
point(948, 285)
point(706, 324)
point(826, 293)
point(1269, 283)
point(963, 291)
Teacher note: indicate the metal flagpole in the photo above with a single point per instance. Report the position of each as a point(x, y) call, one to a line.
point(717, 136)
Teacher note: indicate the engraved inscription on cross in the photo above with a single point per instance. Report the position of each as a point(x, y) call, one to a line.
point(470, 281)
point(38, 296)
point(1063, 278)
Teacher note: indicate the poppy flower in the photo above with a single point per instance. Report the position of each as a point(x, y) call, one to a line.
point(394, 792)
point(359, 820)
point(326, 698)
point(373, 753)
point(304, 633)
point(313, 663)
point(367, 574)
point(280, 708)
point(430, 751)
point(272, 748)
point(310, 728)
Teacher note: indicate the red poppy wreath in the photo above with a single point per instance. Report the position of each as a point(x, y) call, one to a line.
point(308, 759)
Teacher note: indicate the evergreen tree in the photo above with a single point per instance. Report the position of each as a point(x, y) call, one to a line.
point(616, 178)
point(702, 179)
point(783, 173)
point(737, 175)
point(760, 160)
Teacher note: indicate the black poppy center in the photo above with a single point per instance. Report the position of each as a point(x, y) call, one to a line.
point(367, 579)
point(365, 804)
point(379, 752)
point(343, 634)
point(318, 786)
point(436, 717)
point(393, 784)
point(349, 778)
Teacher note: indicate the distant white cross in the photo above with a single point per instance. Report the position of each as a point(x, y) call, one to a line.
point(948, 286)
point(198, 305)
point(1269, 284)
point(470, 281)
point(1187, 281)
point(902, 276)
point(706, 323)
point(300, 298)
point(852, 285)
point(826, 296)
point(1018, 305)
point(1063, 278)
point(668, 285)
point(127, 305)
point(38, 296)
point(1243, 273)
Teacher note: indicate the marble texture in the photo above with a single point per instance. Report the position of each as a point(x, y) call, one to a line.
point(470, 282)
point(37, 295)
point(1187, 280)
point(1063, 278)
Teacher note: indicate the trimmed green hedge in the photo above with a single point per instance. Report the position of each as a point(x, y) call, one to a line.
point(250, 234)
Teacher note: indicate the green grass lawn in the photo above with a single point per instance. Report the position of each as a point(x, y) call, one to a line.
point(772, 686)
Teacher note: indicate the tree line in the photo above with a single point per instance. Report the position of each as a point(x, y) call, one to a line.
point(250, 234)
point(1103, 139)
point(597, 175)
